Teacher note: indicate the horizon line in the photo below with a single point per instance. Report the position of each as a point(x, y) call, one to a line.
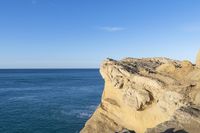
point(47, 68)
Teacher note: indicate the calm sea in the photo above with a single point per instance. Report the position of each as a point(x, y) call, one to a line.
point(48, 100)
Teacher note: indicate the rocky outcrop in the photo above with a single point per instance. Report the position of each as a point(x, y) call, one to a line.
point(184, 120)
point(148, 95)
point(198, 59)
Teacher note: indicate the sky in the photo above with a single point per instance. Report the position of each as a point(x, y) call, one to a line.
point(82, 33)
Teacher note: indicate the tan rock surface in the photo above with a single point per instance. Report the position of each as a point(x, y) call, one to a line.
point(198, 59)
point(147, 95)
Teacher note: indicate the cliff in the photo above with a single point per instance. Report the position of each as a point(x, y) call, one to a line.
point(148, 95)
point(198, 59)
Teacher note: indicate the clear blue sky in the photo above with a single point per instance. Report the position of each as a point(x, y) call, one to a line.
point(82, 33)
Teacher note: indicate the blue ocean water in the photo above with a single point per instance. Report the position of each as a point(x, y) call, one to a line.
point(48, 100)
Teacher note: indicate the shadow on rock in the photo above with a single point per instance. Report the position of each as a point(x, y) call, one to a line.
point(126, 131)
point(171, 130)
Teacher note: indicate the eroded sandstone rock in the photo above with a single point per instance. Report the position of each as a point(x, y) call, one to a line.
point(184, 120)
point(198, 59)
point(149, 95)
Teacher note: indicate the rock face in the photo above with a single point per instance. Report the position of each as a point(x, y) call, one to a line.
point(148, 95)
point(198, 59)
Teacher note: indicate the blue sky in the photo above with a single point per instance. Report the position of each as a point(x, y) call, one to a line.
point(82, 33)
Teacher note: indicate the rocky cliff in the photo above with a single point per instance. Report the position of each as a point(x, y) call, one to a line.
point(148, 95)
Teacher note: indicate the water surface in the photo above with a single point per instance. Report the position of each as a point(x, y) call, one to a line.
point(47, 100)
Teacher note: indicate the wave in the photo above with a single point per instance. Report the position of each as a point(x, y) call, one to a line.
point(22, 98)
point(81, 113)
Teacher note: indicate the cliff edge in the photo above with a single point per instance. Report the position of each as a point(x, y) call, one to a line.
point(148, 95)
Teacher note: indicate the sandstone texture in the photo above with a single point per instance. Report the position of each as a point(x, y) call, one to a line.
point(198, 59)
point(148, 95)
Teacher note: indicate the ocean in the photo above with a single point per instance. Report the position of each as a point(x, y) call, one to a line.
point(48, 100)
